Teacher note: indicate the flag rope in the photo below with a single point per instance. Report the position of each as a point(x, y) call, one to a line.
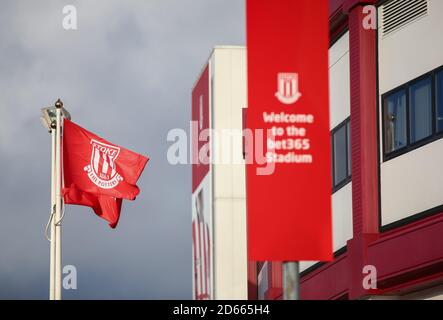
point(59, 222)
point(51, 216)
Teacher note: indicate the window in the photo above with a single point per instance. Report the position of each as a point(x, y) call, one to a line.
point(421, 110)
point(340, 159)
point(439, 100)
point(395, 121)
point(413, 114)
point(341, 155)
point(348, 141)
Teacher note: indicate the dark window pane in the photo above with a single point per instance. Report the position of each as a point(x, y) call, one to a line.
point(340, 162)
point(421, 110)
point(395, 121)
point(348, 133)
point(439, 91)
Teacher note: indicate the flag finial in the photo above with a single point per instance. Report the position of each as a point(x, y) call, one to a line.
point(58, 104)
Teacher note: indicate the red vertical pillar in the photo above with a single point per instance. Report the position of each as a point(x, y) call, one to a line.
point(363, 123)
point(363, 71)
point(275, 287)
point(252, 281)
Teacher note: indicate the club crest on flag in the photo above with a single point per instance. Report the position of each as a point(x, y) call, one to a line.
point(102, 170)
point(288, 88)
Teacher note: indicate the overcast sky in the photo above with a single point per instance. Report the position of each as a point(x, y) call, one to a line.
point(126, 74)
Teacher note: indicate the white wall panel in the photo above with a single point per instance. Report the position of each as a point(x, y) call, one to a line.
point(339, 93)
point(412, 50)
point(412, 182)
point(230, 251)
point(339, 78)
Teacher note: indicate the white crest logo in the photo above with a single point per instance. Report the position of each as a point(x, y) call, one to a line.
point(102, 169)
point(288, 88)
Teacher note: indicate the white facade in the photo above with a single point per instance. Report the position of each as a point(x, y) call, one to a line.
point(410, 183)
point(340, 110)
point(229, 96)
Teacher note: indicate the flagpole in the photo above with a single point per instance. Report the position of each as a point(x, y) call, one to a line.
point(53, 195)
point(58, 201)
point(291, 280)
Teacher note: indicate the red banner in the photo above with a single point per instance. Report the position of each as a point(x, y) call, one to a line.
point(289, 207)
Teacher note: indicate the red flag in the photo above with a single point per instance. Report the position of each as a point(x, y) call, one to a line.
point(97, 173)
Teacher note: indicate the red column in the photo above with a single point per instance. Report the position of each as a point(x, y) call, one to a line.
point(363, 71)
point(363, 123)
point(252, 280)
point(275, 280)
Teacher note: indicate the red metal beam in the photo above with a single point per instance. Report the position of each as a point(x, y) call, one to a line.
point(331, 281)
point(406, 259)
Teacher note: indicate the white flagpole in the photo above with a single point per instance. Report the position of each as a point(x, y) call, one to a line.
point(58, 201)
point(53, 195)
